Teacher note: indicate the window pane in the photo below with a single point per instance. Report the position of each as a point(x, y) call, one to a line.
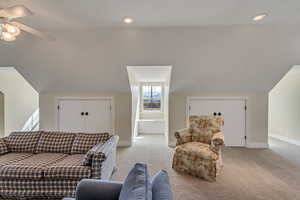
point(152, 97)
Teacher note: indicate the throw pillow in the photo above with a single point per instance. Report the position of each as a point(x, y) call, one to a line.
point(137, 185)
point(161, 188)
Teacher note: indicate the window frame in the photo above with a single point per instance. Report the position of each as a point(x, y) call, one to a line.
point(161, 98)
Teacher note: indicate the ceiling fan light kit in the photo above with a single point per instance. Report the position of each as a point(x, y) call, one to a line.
point(8, 32)
point(10, 29)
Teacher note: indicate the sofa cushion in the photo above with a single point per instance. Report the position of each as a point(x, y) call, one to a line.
point(83, 142)
point(137, 184)
point(3, 147)
point(70, 167)
point(196, 150)
point(31, 167)
point(161, 188)
point(13, 157)
point(23, 141)
point(55, 142)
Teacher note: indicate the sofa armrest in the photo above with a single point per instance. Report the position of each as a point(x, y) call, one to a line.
point(183, 136)
point(217, 141)
point(90, 189)
point(99, 155)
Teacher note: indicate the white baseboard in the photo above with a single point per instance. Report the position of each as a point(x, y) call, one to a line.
point(256, 145)
point(124, 144)
point(286, 139)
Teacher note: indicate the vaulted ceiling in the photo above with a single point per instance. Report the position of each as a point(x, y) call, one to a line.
point(213, 46)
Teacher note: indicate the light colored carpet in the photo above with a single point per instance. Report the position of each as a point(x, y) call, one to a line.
point(248, 174)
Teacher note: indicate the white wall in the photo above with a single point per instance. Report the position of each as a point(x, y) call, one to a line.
point(135, 92)
point(284, 107)
point(2, 130)
point(256, 115)
point(48, 111)
point(21, 100)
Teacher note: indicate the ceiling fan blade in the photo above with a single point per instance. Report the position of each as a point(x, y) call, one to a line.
point(31, 30)
point(15, 12)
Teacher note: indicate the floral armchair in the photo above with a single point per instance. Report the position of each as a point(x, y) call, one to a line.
point(198, 148)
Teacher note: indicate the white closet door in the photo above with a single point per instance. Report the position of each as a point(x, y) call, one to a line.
point(69, 116)
point(98, 116)
point(233, 112)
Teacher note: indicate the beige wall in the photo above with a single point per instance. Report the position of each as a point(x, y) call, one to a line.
point(21, 100)
point(284, 107)
point(122, 105)
point(256, 115)
point(1, 114)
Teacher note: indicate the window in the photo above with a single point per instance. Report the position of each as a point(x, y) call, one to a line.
point(151, 95)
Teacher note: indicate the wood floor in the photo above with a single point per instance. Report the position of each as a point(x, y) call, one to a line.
point(248, 174)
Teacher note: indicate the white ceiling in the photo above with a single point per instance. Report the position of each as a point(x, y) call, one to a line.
point(244, 58)
point(82, 14)
point(88, 56)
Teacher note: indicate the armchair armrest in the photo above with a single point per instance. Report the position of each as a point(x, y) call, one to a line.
point(100, 153)
point(90, 189)
point(183, 136)
point(217, 141)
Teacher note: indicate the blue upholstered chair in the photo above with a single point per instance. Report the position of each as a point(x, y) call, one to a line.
point(137, 185)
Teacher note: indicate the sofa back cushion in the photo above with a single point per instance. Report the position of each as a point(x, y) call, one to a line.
point(83, 142)
point(55, 142)
point(23, 142)
point(3, 147)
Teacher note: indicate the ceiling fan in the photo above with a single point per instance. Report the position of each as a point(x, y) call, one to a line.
point(10, 29)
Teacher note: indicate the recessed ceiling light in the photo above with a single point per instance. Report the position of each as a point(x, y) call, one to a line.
point(260, 17)
point(127, 20)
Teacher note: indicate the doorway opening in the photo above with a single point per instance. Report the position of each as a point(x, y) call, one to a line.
point(283, 116)
point(150, 101)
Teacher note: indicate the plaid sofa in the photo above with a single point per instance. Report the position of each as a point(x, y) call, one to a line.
point(38, 165)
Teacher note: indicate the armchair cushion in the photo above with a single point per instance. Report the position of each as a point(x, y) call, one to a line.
point(195, 150)
point(204, 127)
point(203, 135)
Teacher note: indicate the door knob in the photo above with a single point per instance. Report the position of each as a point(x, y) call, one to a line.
point(219, 114)
point(82, 113)
point(86, 113)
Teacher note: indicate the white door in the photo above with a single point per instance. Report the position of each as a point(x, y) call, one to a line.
point(70, 118)
point(98, 116)
point(85, 115)
point(233, 112)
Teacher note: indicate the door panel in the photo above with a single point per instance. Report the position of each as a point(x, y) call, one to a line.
point(233, 113)
point(69, 116)
point(98, 118)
